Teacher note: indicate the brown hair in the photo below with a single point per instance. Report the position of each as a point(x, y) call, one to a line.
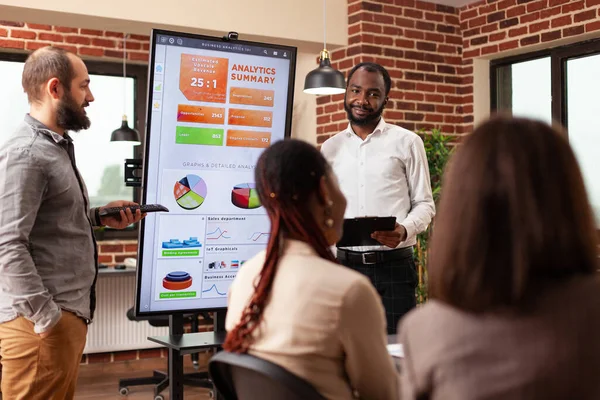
point(513, 214)
point(41, 66)
point(287, 174)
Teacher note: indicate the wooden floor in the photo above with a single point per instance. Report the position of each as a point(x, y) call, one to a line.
point(101, 381)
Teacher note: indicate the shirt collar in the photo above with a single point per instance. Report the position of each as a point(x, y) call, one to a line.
point(379, 128)
point(40, 127)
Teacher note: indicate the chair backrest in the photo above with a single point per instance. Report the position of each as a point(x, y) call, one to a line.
point(245, 377)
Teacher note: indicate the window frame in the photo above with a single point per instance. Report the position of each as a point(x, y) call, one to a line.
point(559, 56)
point(139, 73)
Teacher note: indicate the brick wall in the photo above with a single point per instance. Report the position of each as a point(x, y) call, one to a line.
point(420, 44)
point(26, 37)
point(113, 252)
point(429, 50)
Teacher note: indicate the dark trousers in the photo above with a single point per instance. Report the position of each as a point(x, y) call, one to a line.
point(395, 281)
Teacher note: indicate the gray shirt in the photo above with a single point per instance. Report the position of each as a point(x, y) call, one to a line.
point(48, 254)
point(547, 349)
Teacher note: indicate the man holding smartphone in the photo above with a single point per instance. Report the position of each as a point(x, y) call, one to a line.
point(48, 253)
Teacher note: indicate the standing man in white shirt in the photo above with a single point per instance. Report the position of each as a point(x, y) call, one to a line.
point(382, 169)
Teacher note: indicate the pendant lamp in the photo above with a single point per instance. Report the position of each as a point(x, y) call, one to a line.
point(324, 80)
point(125, 133)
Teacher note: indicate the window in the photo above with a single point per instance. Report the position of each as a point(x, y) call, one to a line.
point(582, 109)
point(99, 160)
point(559, 84)
point(524, 88)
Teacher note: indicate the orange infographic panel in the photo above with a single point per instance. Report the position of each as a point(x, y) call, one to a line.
point(200, 114)
point(251, 97)
point(237, 138)
point(262, 119)
point(203, 78)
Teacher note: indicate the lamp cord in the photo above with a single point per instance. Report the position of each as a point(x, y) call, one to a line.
point(324, 24)
point(124, 74)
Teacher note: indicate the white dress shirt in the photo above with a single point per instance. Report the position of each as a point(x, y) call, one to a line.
point(385, 175)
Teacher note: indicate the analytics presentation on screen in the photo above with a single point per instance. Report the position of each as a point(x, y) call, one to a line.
point(214, 106)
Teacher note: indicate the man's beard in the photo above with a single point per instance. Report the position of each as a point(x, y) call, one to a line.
point(70, 115)
point(366, 120)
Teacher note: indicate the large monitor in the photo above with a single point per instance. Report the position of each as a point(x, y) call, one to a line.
point(214, 105)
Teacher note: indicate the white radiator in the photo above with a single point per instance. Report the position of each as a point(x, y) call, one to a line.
point(111, 330)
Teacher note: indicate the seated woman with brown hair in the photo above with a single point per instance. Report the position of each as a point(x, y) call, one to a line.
point(293, 304)
point(515, 309)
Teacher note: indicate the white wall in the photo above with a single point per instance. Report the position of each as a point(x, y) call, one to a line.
point(294, 22)
point(305, 105)
point(481, 90)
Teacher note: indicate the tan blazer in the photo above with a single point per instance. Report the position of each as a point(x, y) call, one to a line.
point(324, 323)
point(550, 351)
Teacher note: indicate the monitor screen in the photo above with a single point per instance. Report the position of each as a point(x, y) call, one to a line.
point(213, 107)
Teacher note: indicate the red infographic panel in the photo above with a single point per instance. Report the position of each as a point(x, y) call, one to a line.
point(203, 78)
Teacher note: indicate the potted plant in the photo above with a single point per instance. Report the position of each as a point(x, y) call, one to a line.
point(438, 149)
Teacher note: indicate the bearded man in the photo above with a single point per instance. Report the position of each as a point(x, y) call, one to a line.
point(48, 253)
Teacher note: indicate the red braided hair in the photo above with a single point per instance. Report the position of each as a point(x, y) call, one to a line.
point(287, 174)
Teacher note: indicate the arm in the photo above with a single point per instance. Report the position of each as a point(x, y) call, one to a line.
point(94, 217)
point(419, 185)
point(362, 327)
point(124, 219)
point(22, 185)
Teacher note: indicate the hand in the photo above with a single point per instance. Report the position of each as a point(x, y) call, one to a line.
point(48, 332)
point(391, 238)
point(125, 218)
point(44, 335)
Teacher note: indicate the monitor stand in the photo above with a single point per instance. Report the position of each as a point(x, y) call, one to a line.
point(180, 344)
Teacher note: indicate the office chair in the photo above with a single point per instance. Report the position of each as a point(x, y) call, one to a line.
point(160, 379)
point(245, 377)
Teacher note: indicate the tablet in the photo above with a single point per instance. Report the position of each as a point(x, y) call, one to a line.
point(357, 231)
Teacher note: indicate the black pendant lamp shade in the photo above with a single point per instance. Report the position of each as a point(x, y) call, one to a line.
point(125, 133)
point(324, 80)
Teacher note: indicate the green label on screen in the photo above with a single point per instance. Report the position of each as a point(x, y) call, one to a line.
point(177, 295)
point(205, 136)
point(181, 253)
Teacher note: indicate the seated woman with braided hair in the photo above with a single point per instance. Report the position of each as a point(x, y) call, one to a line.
point(292, 304)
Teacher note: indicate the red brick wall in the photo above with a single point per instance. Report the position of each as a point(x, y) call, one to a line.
point(429, 51)
point(420, 45)
point(112, 252)
point(86, 43)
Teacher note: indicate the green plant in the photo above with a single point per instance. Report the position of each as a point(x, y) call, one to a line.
point(438, 150)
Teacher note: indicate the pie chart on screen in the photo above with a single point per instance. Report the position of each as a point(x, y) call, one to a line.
point(190, 192)
point(244, 195)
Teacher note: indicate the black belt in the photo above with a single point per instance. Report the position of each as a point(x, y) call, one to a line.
point(374, 257)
